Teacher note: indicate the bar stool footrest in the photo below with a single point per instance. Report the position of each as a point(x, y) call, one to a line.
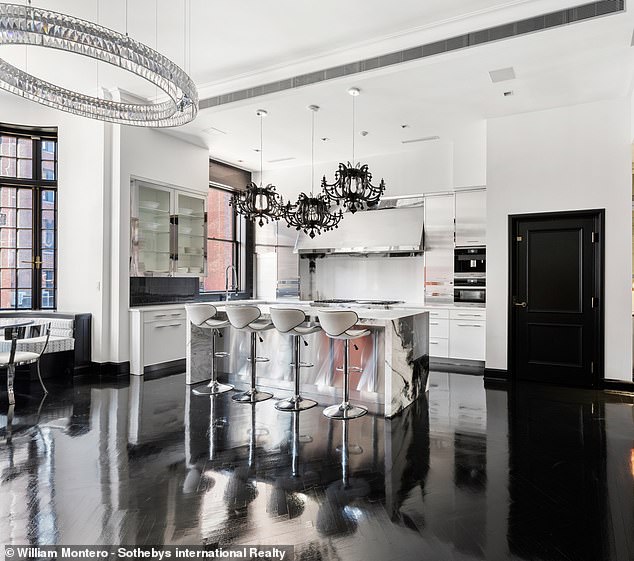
point(221, 354)
point(295, 404)
point(343, 412)
point(259, 359)
point(304, 364)
point(214, 388)
point(251, 396)
point(350, 369)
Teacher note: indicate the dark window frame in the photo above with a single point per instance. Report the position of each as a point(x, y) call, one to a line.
point(38, 186)
point(236, 242)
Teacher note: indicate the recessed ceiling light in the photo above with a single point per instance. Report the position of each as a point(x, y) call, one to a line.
point(509, 93)
point(280, 160)
point(324, 139)
point(424, 139)
point(256, 149)
point(502, 74)
point(404, 126)
point(364, 133)
point(240, 161)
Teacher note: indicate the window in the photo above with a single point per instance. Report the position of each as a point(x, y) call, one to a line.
point(28, 218)
point(229, 235)
point(223, 243)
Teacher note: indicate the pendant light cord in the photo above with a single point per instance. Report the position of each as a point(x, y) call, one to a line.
point(354, 97)
point(312, 157)
point(184, 33)
point(126, 18)
point(26, 47)
point(187, 36)
point(156, 45)
point(261, 149)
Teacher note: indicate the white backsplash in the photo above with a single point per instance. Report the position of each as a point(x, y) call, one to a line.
point(372, 278)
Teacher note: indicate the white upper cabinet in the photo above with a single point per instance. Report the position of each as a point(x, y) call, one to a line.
point(471, 218)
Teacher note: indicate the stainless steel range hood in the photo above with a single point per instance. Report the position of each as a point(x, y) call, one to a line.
point(394, 226)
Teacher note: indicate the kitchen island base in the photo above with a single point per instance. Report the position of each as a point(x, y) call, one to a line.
point(394, 359)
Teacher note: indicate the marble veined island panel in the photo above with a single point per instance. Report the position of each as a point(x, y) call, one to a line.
point(394, 358)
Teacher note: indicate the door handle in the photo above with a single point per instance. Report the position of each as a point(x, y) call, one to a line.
point(520, 304)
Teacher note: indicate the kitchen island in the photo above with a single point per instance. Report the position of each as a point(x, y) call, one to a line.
point(394, 358)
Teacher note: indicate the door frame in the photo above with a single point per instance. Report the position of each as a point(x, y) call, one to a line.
point(598, 215)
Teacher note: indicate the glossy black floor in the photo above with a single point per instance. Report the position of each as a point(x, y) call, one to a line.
point(540, 473)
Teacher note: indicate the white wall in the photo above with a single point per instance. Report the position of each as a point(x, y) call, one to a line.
point(427, 167)
point(568, 158)
point(80, 196)
point(155, 156)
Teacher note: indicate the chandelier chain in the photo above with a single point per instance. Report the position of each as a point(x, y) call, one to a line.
point(126, 18)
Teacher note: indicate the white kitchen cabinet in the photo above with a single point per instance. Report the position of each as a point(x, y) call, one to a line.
point(439, 245)
point(157, 336)
point(458, 333)
point(467, 339)
point(439, 347)
point(438, 328)
point(468, 314)
point(471, 218)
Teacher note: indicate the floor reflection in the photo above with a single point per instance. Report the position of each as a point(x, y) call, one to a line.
point(469, 473)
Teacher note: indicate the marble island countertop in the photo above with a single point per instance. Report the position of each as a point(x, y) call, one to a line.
point(378, 315)
point(395, 311)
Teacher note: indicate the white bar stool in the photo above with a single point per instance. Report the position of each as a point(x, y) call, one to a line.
point(201, 315)
point(245, 318)
point(290, 320)
point(337, 324)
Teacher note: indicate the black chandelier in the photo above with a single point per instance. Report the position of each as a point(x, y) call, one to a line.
point(353, 182)
point(256, 202)
point(312, 213)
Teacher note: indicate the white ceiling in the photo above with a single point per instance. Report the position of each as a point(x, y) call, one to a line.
point(438, 96)
point(240, 44)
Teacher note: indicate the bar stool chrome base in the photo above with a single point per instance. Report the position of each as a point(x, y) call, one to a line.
point(343, 411)
point(295, 404)
point(251, 396)
point(350, 369)
point(213, 388)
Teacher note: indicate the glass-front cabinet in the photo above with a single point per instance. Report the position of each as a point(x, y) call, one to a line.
point(167, 231)
point(191, 227)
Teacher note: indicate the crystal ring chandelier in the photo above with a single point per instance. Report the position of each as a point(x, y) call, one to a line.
point(26, 25)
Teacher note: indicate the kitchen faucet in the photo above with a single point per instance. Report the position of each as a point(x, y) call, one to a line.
point(234, 280)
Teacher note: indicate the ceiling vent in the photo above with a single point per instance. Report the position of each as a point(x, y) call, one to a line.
point(514, 29)
point(502, 74)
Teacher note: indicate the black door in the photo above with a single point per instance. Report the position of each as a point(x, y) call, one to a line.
point(555, 318)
